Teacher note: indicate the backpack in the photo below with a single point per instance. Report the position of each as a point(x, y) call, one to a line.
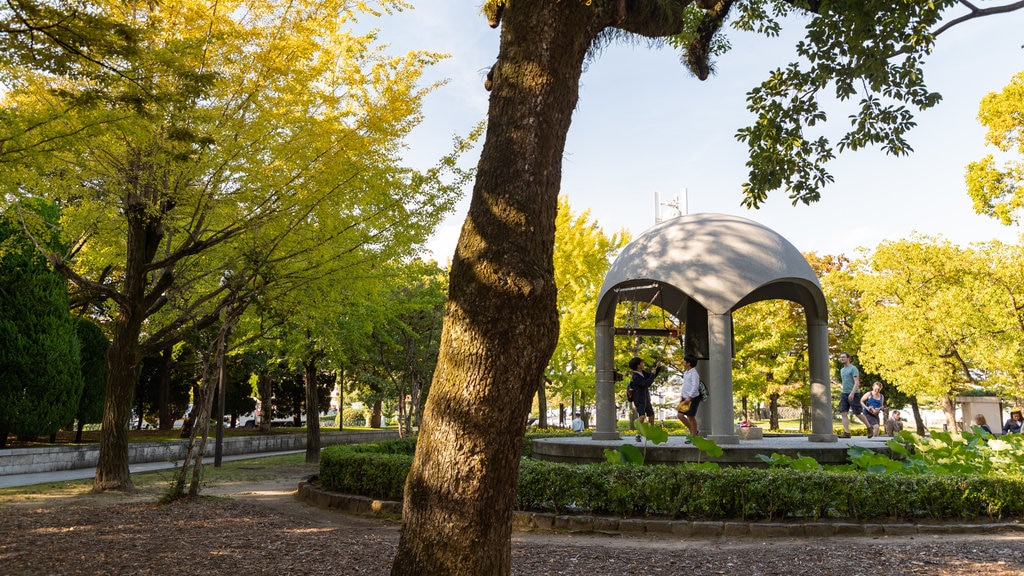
point(703, 391)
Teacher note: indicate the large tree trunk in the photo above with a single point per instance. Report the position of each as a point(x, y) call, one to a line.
point(122, 373)
point(949, 411)
point(501, 323)
point(773, 411)
point(376, 413)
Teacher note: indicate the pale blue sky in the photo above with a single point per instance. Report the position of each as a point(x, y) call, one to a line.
point(644, 125)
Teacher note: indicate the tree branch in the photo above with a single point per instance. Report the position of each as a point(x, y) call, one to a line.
point(975, 12)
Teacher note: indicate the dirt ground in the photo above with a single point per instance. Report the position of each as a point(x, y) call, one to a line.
point(258, 528)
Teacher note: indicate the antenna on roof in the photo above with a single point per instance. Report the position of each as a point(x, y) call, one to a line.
point(674, 204)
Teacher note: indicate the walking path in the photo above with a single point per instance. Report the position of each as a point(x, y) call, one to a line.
point(15, 480)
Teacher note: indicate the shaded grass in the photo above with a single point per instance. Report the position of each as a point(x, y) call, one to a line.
point(155, 483)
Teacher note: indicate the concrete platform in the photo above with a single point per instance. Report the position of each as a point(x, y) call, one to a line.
point(583, 449)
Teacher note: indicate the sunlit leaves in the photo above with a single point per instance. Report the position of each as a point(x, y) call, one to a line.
point(583, 253)
point(998, 190)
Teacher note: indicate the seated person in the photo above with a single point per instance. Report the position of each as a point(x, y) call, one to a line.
point(894, 424)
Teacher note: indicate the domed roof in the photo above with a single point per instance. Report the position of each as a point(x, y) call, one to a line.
point(720, 261)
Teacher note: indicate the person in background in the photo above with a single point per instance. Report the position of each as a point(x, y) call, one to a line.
point(641, 385)
point(577, 423)
point(849, 399)
point(690, 390)
point(894, 425)
point(1013, 425)
point(979, 420)
point(872, 403)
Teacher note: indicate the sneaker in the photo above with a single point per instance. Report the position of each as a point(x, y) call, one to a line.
point(638, 438)
point(844, 435)
point(869, 433)
point(687, 442)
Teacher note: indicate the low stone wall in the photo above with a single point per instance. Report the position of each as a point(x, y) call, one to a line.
point(53, 458)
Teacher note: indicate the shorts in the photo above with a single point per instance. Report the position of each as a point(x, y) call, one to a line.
point(694, 404)
point(642, 406)
point(846, 405)
point(871, 418)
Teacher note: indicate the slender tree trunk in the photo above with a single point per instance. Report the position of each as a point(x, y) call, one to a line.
point(164, 389)
point(542, 405)
point(773, 411)
point(222, 387)
point(916, 409)
point(266, 387)
point(312, 411)
point(501, 321)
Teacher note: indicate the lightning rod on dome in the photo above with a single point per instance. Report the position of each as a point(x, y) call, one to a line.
point(677, 209)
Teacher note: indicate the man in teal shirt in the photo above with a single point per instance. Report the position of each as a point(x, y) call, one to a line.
point(849, 399)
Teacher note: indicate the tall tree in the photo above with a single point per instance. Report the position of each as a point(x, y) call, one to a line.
point(998, 191)
point(406, 339)
point(583, 253)
point(501, 322)
point(245, 138)
point(771, 354)
point(40, 370)
point(920, 318)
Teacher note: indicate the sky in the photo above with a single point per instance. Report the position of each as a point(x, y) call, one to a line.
point(645, 126)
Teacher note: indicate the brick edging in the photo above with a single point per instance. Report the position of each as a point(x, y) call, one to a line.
point(545, 521)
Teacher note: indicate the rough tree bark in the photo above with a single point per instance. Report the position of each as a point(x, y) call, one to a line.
point(143, 237)
point(501, 323)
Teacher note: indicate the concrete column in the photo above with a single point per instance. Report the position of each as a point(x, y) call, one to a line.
point(719, 409)
point(604, 387)
point(821, 389)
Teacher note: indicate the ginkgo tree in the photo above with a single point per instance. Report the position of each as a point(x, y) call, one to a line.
point(238, 146)
point(583, 253)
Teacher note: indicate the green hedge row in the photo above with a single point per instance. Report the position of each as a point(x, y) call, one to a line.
point(379, 469)
point(693, 492)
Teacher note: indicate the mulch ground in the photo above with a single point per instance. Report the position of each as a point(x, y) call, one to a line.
point(262, 529)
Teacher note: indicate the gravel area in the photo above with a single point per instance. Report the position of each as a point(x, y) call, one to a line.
point(262, 528)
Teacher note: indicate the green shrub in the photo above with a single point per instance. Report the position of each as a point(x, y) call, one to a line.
point(691, 491)
point(353, 417)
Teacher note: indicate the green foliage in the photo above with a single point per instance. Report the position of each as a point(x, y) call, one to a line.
point(353, 417)
point(789, 489)
point(803, 463)
point(872, 51)
point(974, 452)
point(94, 346)
point(40, 367)
point(626, 454)
point(581, 258)
point(998, 191)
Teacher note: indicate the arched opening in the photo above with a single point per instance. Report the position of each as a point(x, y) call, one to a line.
point(701, 268)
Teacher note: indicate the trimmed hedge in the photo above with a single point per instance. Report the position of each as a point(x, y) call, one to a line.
point(379, 469)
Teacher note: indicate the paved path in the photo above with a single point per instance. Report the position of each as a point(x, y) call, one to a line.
point(14, 480)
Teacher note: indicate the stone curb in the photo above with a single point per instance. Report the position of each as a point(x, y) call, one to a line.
point(581, 524)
